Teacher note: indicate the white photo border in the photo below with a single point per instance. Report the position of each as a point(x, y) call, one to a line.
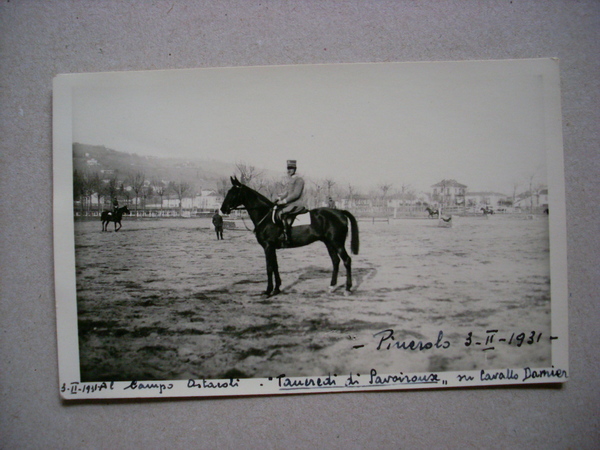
point(71, 388)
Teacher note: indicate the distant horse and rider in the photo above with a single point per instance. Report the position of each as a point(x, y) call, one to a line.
point(487, 210)
point(113, 216)
point(274, 231)
point(433, 212)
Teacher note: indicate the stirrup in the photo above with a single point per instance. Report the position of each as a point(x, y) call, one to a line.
point(286, 238)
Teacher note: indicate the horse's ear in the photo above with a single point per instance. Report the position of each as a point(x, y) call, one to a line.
point(235, 181)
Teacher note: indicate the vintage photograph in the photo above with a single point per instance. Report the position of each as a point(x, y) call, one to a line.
point(309, 228)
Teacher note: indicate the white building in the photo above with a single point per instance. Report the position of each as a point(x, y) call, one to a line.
point(449, 192)
point(206, 200)
point(537, 200)
point(484, 198)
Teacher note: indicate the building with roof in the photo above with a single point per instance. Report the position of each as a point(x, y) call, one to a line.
point(487, 198)
point(532, 201)
point(449, 193)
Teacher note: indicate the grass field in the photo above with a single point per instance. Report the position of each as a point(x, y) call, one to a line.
point(163, 299)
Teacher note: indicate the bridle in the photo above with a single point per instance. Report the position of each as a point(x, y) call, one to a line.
point(243, 208)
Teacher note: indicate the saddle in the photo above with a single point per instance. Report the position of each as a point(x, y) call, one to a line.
point(294, 219)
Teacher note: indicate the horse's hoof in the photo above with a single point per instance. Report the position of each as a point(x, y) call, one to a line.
point(332, 289)
point(347, 292)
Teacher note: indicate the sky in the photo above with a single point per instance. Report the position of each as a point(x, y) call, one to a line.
point(482, 123)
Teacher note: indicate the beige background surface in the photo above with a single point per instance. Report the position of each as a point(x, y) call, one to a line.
point(39, 39)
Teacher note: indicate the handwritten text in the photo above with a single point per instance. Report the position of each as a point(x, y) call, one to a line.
point(387, 341)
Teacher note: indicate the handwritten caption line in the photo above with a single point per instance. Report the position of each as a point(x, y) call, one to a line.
point(332, 381)
point(385, 340)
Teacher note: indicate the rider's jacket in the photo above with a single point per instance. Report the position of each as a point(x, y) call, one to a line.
point(291, 199)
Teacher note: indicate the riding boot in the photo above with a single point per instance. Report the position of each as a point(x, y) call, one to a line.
point(286, 235)
point(287, 227)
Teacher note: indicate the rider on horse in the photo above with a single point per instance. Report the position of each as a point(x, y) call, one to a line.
point(115, 203)
point(289, 203)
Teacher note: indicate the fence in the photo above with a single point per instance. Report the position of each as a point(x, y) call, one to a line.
point(388, 212)
point(360, 212)
point(147, 212)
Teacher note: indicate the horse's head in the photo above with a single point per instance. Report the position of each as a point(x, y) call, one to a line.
point(126, 210)
point(234, 197)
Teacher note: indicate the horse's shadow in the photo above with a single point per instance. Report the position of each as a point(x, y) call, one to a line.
point(359, 275)
point(245, 287)
point(363, 274)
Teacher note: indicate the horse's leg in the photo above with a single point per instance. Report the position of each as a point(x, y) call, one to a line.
point(269, 275)
point(269, 253)
point(117, 229)
point(276, 274)
point(272, 272)
point(335, 259)
point(348, 265)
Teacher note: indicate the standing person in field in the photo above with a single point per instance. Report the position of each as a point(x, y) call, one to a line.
point(290, 201)
point(217, 221)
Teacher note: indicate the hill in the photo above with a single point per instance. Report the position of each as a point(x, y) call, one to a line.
point(202, 174)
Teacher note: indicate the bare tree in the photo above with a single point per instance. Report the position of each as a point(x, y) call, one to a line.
point(82, 189)
point(124, 192)
point(351, 194)
point(180, 189)
point(247, 173)
point(137, 183)
point(147, 192)
point(264, 186)
point(112, 188)
point(384, 188)
point(329, 183)
point(316, 193)
point(407, 193)
point(515, 187)
point(159, 189)
point(271, 187)
point(223, 185)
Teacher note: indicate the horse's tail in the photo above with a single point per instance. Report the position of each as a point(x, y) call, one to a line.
point(354, 241)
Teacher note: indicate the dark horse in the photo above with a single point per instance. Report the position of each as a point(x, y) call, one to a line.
point(110, 216)
point(432, 212)
point(329, 226)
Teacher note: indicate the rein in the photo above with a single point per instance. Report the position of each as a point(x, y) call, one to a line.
point(259, 222)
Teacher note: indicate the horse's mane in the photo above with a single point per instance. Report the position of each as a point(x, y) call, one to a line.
point(261, 197)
